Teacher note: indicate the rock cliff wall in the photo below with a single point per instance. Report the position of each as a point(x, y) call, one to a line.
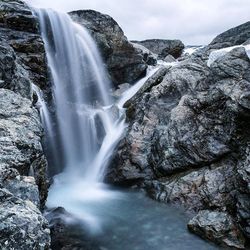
point(23, 167)
point(188, 139)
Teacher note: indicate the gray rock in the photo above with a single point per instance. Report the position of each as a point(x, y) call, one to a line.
point(156, 78)
point(233, 64)
point(149, 57)
point(218, 227)
point(125, 63)
point(23, 60)
point(163, 47)
point(23, 167)
point(208, 187)
point(24, 187)
point(235, 36)
point(187, 140)
point(243, 195)
point(21, 131)
point(22, 224)
point(169, 59)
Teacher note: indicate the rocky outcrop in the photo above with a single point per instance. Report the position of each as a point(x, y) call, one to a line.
point(124, 62)
point(218, 227)
point(187, 141)
point(23, 167)
point(163, 48)
point(21, 155)
point(235, 36)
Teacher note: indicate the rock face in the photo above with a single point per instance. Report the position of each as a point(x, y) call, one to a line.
point(163, 47)
point(218, 227)
point(235, 36)
point(23, 167)
point(22, 53)
point(187, 140)
point(124, 62)
point(149, 57)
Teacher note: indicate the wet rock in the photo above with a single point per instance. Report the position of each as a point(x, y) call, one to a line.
point(67, 232)
point(218, 227)
point(23, 167)
point(208, 187)
point(124, 62)
point(163, 47)
point(21, 131)
point(16, 15)
point(233, 64)
point(156, 78)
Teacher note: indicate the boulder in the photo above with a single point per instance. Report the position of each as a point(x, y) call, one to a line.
point(163, 47)
point(149, 57)
point(218, 227)
point(124, 62)
point(232, 37)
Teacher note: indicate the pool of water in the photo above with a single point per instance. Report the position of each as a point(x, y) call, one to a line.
point(131, 221)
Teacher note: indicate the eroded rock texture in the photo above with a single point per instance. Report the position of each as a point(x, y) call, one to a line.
point(23, 167)
point(188, 139)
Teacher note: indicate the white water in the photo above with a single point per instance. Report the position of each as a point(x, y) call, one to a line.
point(191, 50)
point(214, 55)
point(80, 92)
point(134, 89)
point(86, 124)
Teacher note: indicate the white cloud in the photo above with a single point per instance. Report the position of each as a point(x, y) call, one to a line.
point(193, 21)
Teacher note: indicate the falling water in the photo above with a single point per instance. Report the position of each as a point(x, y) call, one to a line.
point(86, 124)
point(84, 120)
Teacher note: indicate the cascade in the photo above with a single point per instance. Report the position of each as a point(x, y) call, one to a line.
point(86, 123)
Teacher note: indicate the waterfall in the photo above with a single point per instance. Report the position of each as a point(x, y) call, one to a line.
point(85, 123)
point(86, 128)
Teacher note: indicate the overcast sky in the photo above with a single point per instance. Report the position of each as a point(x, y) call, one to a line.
point(192, 21)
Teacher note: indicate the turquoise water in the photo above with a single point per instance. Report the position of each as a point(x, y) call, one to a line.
point(134, 222)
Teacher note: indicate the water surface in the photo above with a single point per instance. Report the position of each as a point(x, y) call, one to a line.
point(134, 222)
